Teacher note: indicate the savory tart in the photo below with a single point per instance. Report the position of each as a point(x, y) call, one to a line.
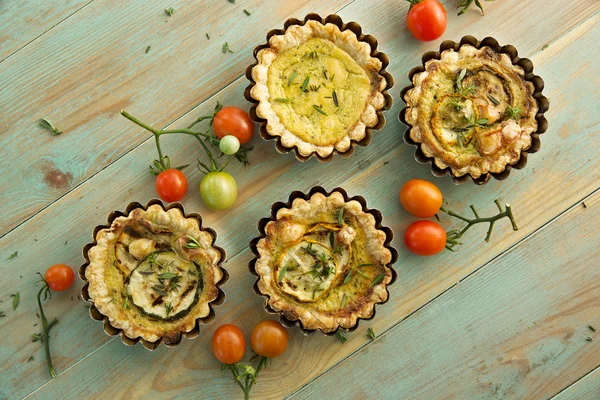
point(153, 273)
point(318, 88)
point(323, 262)
point(472, 111)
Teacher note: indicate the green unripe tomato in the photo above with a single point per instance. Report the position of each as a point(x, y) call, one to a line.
point(229, 145)
point(218, 190)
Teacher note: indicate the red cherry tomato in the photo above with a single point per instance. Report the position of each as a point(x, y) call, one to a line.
point(421, 198)
point(228, 344)
point(171, 185)
point(269, 339)
point(425, 238)
point(426, 20)
point(233, 121)
point(59, 277)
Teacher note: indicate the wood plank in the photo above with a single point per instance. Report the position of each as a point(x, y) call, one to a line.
point(515, 329)
point(95, 65)
point(588, 388)
point(83, 83)
point(385, 164)
point(24, 21)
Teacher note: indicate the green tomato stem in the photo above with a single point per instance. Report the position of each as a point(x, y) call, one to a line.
point(45, 331)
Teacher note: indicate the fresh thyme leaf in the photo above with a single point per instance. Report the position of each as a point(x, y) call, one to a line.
point(192, 244)
point(493, 99)
point(342, 335)
point(343, 301)
point(460, 77)
point(13, 255)
point(232, 1)
point(325, 75)
point(305, 83)
point(335, 98)
point(169, 11)
point(340, 217)
point(147, 49)
point(348, 277)
point(292, 77)
point(545, 46)
point(30, 359)
point(313, 54)
point(332, 239)
point(168, 308)
point(319, 110)
point(370, 334)
point(589, 339)
point(207, 35)
point(310, 250)
point(247, 12)
point(167, 275)
point(591, 328)
point(314, 88)
point(513, 112)
point(377, 280)
point(15, 302)
point(48, 125)
point(282, 273)
point(364, 265)
point(126, 303)
point(2, 314)
point(159, 290)
point(282, 100)
point(226, 48)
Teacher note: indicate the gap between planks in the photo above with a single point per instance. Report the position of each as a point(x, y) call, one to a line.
point(46, 31)
point(576, 381)
point(578, 203)
point(203, 102)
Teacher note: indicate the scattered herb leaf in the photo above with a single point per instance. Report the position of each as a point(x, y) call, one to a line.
point(282, 100)
point(305, 83)
point(192, 244)
point(589, 339)
point(169, 11)
point(513, 112)
point(591, 328)
point(340, 217)
point(13, 255)
point(335, 98)
point(292, 77)
point(342, 335)
point(247, 12)
point(343, 301)
point(282, 273)
point(167, 275)
point(348, 277)
point(168, 308)
point(493, 99)
point(207, 35)
point(377, 279)
point(147, 49)
point(15, 302)
point(30, 359)
point(2, 314)
point(463, 5)
point(370, 334)
point(48, 125)
point(226, 48)
point(545, 46)
point(319, 110)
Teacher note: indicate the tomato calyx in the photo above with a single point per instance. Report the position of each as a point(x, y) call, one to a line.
point(162, 165)
point(245, 374)
point(453, 236)
point(464, 5)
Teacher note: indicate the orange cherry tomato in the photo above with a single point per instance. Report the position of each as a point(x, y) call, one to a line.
point(426, 19)
point(59, 277)
point(233, 121)
point(228, 344)
point(421, 198)
point(269, 339)
point(171, 185)
point(425, 238)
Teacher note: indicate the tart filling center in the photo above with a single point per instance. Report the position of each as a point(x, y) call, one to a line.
point(318, 91)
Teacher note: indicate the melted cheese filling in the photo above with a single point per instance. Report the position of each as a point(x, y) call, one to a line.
point(318, 91)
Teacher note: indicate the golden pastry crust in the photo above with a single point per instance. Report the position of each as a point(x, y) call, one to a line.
point(344, 266)
point(302, 126)
point(148, 276)
point(472, 129)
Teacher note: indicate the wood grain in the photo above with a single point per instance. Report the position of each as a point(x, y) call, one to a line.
point(82, 350)
point(24, 21)
point(268, 180)
point(515, 329)
point(588, 388)
point(94, 65)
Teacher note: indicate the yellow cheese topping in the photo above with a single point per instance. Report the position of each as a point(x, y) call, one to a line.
point(318, 91)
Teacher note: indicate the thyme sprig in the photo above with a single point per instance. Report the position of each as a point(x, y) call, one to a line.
point(513, 112)
point(47, 294)
point(370, 334)
point(226, 48)
point(169, 11)
point(319, 109)
point(245, 375)
point(192, 243)
point(342, 335)
point(453, 236)
point(48, 125)
point(464, 5)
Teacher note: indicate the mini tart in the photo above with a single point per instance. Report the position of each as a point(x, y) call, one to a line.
point(320, 87)
point(153, 274)
point(474, 109)
point(323, 261)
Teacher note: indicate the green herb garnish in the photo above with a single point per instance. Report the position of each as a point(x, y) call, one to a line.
point(493, 99)
point(207, 35)
point(319, 110)
point(168, 308)
point(513, 112)
point(282, 273)
point(48, 125)
point(545, 46)
point(247, 12)
point(30, 359)
point(370, 334)
point(305, 84)
point(159, 289)
point(340, 217)
point(167, 275)
point(343, 301)
point(314, 88)
point(463, 5)
point(13, 255)
point(335, 98)
point(226, 48)
point(342, 335)
point(169, 11)
point(348, 277)
point(147, 49)
point(282, 100)
point(15, 302)
point(126, 303)
point(591, 328)
point(292, 77)
point(192, 243)
point(313, 54)
point(332, 239)
point(377, 280)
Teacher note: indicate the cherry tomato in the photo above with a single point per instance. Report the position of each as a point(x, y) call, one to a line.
point(269, 339)
point(233, 121)
point(171, 185)
point(59, 277)
point(218, 190)
point(421, 198)
point(228, 344)
point(229, 145)
point(425, 238)
point(426, 20)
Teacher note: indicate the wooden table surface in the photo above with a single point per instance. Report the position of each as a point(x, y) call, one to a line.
point(504, 320)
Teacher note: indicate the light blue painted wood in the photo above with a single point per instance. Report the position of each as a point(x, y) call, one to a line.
point(587, 388)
